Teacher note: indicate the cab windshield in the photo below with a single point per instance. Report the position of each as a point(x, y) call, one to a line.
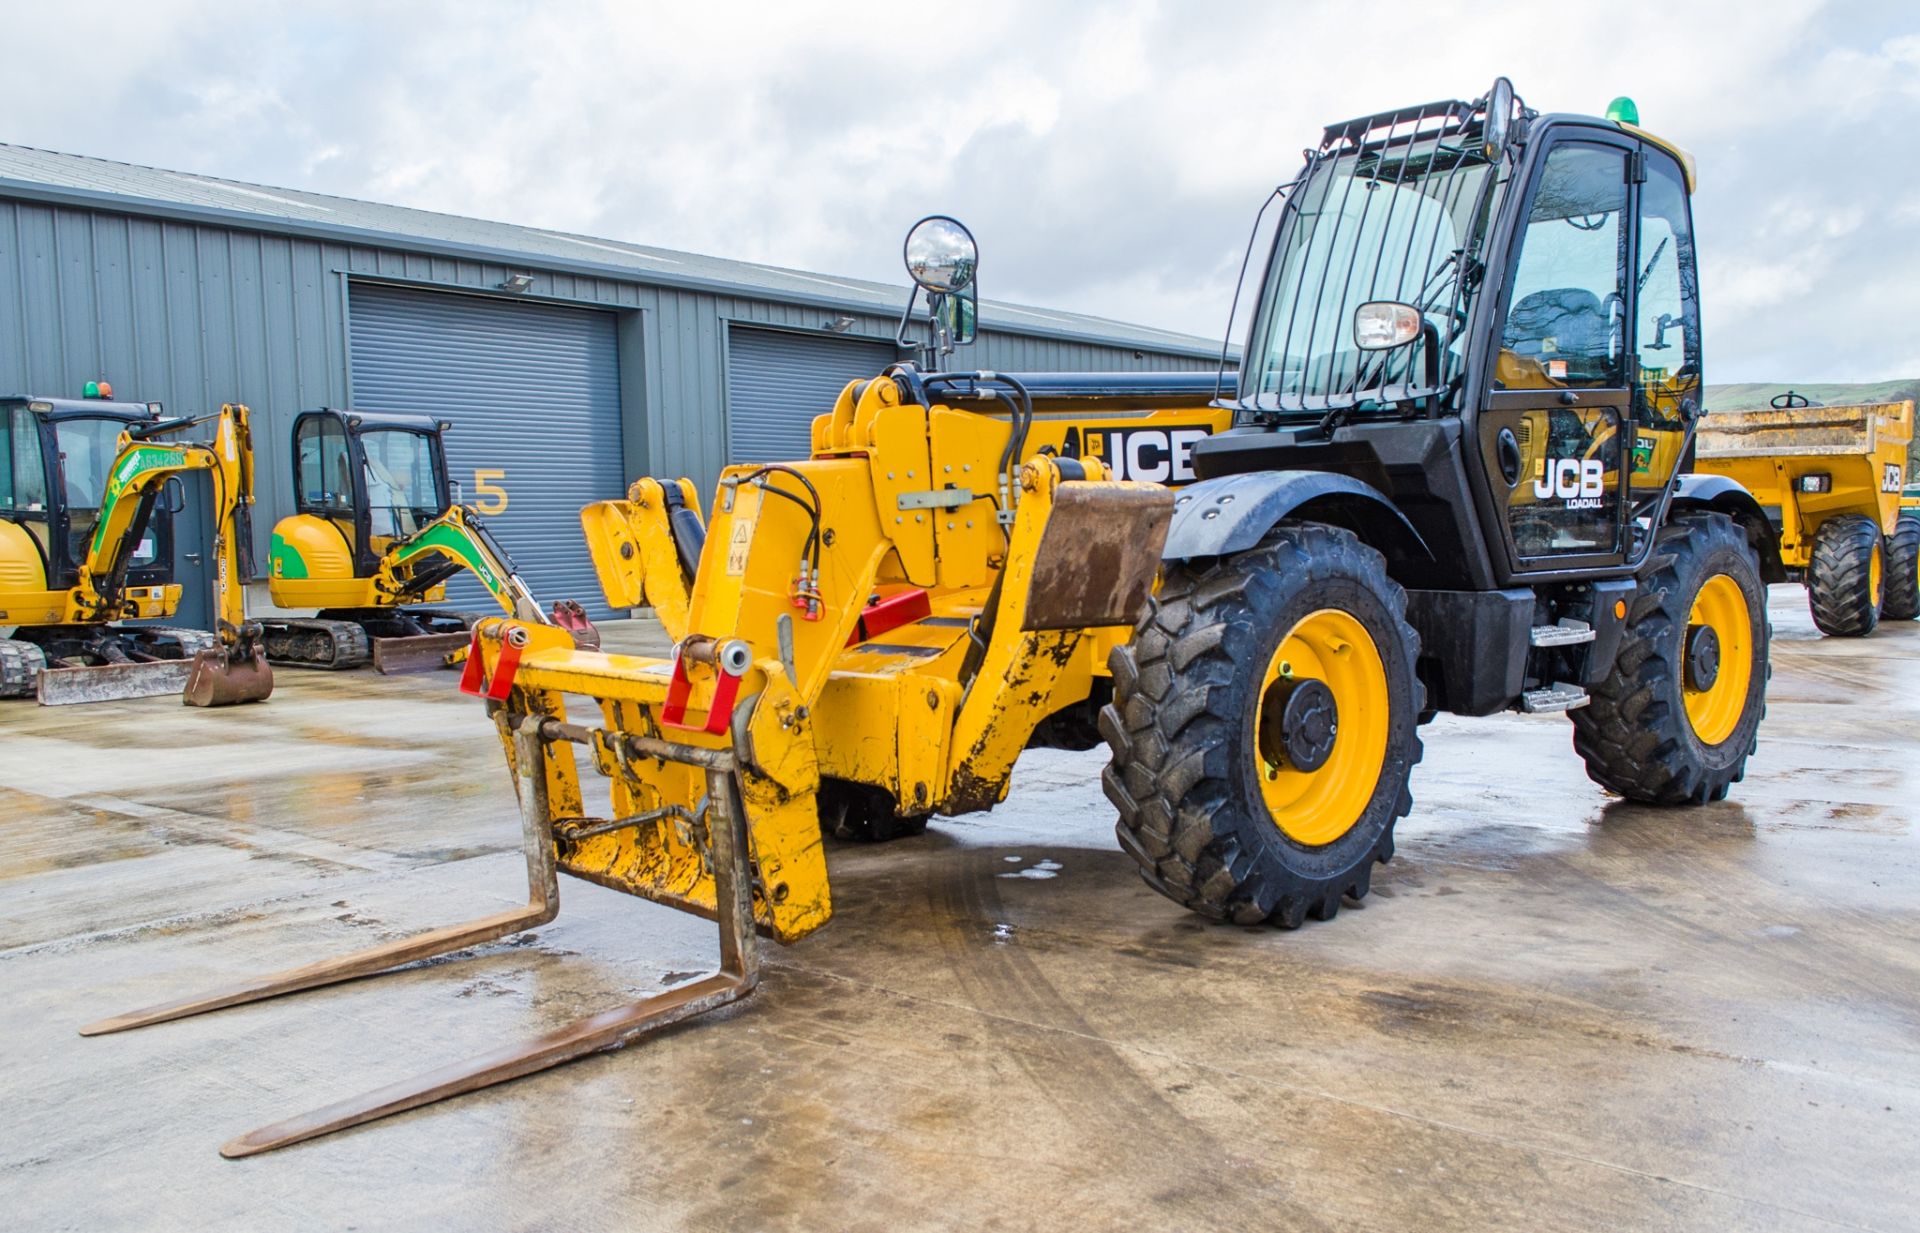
point(1398, 220)
point(403, 483)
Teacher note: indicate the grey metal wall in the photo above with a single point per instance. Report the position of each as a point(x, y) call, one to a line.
point(194, 315)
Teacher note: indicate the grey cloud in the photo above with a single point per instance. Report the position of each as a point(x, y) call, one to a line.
point(1109, 157)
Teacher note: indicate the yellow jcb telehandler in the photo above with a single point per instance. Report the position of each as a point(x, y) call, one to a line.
point(1829, 478)
point(86, 543)
point(375, 535)
point(878, 630)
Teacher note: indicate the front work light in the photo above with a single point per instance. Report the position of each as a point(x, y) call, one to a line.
point(1381, 325)
point(1819, 481)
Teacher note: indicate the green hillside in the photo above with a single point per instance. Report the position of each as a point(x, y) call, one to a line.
point(1757, 394)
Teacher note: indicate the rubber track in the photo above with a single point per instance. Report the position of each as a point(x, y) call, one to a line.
point(348, 642)
point(20, 666)
point(1172, 752)
point(1634, 742)
point(1839, 582)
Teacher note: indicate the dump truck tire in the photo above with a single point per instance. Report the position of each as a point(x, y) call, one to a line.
point(1263, 727)
point(1845, 577)
point(1902, 602)
point(1675, 720)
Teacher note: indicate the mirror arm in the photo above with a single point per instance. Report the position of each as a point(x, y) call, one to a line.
point(1430, 350)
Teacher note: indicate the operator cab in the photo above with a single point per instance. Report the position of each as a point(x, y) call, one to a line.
point(55, 459)
point(1515, 294)
point(377, 476)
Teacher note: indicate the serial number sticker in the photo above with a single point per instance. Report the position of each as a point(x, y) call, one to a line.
point(738, 546)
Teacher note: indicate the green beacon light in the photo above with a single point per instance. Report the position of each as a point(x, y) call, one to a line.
point(90, 390)
point(1623, 111)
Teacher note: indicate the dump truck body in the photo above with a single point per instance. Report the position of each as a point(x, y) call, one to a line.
point(1805, 465)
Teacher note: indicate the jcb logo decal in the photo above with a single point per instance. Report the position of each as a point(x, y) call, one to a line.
point(1580, 482)
point(1149, 455)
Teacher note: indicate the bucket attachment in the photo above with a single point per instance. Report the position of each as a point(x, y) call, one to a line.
point(725, 849)
point(114, 682)
point(419, 653)
point(570, 616)
point(229, 675)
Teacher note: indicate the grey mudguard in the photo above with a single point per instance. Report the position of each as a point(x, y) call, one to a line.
point(1703, 488)
point(1230, 514)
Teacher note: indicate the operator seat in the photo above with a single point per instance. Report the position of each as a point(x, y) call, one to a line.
point(1563, 323)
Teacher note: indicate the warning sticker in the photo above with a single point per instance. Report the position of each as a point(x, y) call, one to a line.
point(738, 546)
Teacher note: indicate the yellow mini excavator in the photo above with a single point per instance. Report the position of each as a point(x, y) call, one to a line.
point(88, 493)
point(876, 631)
point(376, 534)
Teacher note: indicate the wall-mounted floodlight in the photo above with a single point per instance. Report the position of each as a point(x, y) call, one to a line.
point(839, 325)
point(517, 283)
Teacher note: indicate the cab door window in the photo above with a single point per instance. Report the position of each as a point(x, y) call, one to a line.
point(1666, 386)
point(1566, 315)
point(323, 472)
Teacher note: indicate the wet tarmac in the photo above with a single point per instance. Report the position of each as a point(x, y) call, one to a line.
point(1557, 1011)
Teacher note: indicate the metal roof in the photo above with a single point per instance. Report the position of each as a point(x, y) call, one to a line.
point(96, 183)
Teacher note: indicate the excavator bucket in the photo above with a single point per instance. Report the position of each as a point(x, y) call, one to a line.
point(228, 677)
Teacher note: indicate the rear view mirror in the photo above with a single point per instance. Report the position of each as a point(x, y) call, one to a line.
point(1382, 325)
point(941, 255)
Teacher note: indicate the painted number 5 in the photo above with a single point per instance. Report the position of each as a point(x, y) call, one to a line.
point(492, 497)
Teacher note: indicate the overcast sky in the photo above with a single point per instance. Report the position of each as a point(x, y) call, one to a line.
point(1110, 158)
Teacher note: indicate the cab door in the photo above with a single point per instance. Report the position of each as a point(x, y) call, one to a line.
point(1555, 427)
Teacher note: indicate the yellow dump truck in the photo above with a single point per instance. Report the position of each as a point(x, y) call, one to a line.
point(1830, 479)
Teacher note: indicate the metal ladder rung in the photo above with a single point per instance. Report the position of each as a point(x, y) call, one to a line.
point(1559, 696)
point(1568, 632)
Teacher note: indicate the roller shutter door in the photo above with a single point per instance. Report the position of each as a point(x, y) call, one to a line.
point(533, 394)
point(777, 381)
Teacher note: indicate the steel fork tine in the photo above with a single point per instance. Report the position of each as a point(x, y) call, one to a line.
point(736, 979)
point(543, 902)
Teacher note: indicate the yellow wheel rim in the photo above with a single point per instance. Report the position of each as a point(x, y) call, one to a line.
point(1714, 712)
point(1873, 578)
point(1316, 807)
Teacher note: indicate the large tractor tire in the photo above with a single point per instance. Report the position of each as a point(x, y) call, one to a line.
point(1845, 576)
point(1263, 728)
point(1902, 602)
point(1674, 722)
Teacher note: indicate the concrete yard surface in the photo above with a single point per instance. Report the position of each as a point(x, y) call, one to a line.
point(1557, 1011)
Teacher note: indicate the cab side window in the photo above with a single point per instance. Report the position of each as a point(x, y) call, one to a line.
point(23, 475)
point(1566, 315)
point(322, 471)
point(1667, 334)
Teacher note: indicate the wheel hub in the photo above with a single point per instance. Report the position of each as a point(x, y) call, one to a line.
point(1302, 727)
point(1703, 657)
